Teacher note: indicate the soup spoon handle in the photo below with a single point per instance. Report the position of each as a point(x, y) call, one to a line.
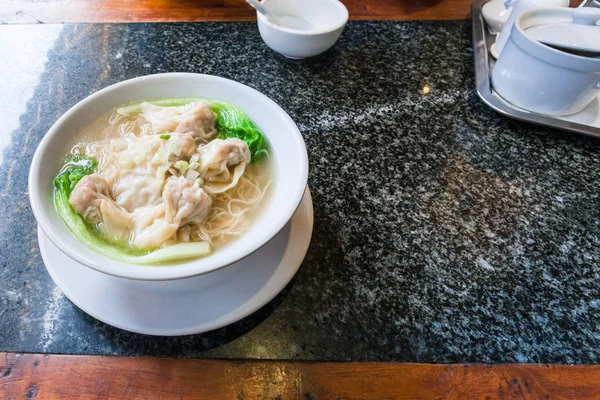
point(259, 7)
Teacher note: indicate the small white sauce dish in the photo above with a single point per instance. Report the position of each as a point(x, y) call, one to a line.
point(322, 24)
point(496, 13)
point(542, 79)
point(287, 150)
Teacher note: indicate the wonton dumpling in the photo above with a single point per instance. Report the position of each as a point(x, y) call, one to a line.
point(151, 230)
point(194, 118)
point(91, 199)
point(148, 226)
point(185, 202)
point(133, 190)
point(115, 221)
point(87, 195)
point(187, 144)
point(126, 152)
point(222, 163)
point(132, 173)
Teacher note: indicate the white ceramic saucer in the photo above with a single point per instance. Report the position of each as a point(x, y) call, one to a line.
point(186, 306)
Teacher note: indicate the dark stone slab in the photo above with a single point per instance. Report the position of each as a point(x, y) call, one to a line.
point(444, 232)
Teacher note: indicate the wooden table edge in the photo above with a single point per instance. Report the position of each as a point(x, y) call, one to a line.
point(73, 376)
point(125, 11)
point(118, 11)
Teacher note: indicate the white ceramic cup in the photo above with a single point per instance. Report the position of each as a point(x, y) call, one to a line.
point(541, 79)
point(519, 7)
point(327, 17)
point(288, 156)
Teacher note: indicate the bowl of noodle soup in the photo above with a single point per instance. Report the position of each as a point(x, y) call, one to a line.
point(168, 176)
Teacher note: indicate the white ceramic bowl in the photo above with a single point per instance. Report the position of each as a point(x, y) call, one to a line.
point(288, 153)
point(327, 16)
point(539, 78)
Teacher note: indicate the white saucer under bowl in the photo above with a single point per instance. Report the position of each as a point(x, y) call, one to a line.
point(186, 306)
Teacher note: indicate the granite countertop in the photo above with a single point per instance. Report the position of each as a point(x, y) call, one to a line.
point(444, 232)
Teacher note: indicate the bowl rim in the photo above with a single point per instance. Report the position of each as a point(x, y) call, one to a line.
point(546, 53)
point(159, 272)
point(341, 7)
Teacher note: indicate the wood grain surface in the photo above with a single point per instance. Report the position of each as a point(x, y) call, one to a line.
point(68, 377)
point(80, 11)
point(75, 11)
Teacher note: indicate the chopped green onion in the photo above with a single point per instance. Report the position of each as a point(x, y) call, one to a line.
point(165, 137)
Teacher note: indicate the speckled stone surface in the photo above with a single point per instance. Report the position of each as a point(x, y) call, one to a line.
point(444, 232)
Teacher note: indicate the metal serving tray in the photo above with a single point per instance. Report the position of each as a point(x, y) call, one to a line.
point(587, 122)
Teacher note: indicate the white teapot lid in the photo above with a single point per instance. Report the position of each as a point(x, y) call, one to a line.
point(582, 33)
